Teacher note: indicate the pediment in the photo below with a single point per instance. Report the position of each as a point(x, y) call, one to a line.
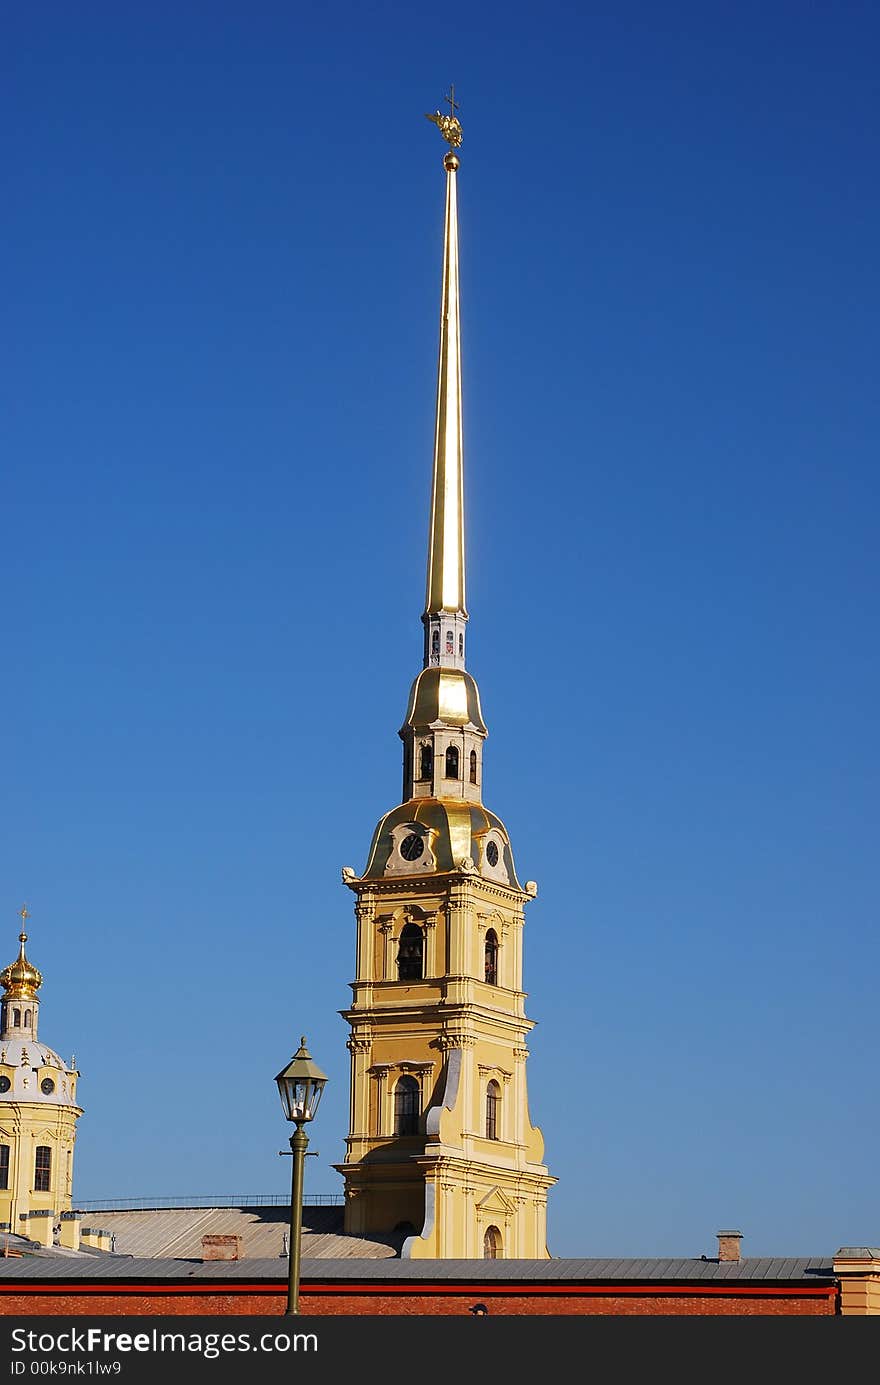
point(496, 1201)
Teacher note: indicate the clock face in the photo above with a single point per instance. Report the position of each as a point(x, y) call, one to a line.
point(412, 847)
point(47, 1086)
point(5, 1083)
point(492, 854)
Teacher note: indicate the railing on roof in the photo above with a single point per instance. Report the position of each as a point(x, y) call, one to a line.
point(206, 1200)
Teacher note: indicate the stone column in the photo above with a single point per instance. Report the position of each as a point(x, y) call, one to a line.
point(430, 945)
point(384, 1124)
point(364, 960)
point(386, 928)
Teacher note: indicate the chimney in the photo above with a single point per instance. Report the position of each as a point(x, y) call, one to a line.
point(221, 1247)
point(71, 1229)
point(728, 1245)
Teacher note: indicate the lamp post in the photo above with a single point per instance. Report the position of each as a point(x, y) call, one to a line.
point(300, 1085)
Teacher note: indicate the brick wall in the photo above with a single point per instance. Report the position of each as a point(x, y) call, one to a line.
point(271, 1302)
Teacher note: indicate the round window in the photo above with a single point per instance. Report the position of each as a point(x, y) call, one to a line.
point(47, 1086)
point(492, 854)
point(5, 1083)
point(412, 847)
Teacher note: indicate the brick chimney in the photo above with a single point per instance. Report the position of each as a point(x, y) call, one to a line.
point(728, 1245)
point(221, 1247)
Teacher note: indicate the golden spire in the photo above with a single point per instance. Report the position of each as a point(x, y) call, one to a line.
point(445, 586)
point(21, 980)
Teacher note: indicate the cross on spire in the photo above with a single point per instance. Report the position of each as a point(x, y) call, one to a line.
point(24, 915)
point(451, 101)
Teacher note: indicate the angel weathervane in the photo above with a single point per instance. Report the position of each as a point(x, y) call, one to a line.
point(448, 125)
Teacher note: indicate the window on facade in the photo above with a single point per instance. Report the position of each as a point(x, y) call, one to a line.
point(16, 1017)
point(450, 644)
point(426, 762)
point(491, 959)
point(4, 1166)
point(406, 1106)
point(42, 1169)
point(27, 1018)
point(493, 1110)
point(461, 646)
point(492, 1244)
point(452, 762)
point(473, 767)
point(410, 954)
point(435, 642)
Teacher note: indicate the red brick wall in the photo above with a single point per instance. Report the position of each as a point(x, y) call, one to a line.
point(256, 1302)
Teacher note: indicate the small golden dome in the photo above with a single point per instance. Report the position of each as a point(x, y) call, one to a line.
point(444, 696)
point(21, 980)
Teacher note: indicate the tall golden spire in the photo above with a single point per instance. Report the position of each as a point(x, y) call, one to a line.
point(445, 595)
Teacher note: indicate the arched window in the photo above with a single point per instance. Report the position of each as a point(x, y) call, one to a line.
point(410, 952)
point(16, 1017)
point(491, 957)
point(27, 1018)
point(435, 643)
point(42, 1169)
point(450, 645)
point(473, 767)
point(461, 646)
point(493, 1110)
point(452, 762)
point(426, 762)
point(4, 1165)
point(492, 1244)
point(406, 1106)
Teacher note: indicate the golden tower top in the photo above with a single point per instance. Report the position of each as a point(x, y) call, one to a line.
point(449, 125)
point(445, 595)
point(21, 980)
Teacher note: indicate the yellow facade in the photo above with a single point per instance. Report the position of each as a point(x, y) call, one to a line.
point(38, 1111)
point(440, 1139)
point(468, 1174)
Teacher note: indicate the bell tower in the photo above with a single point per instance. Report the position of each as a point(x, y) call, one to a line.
point(440, 1143)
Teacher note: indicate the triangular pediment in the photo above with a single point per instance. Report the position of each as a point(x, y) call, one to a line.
point(495, 1201)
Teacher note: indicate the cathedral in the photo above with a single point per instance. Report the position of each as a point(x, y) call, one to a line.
point(38, 1110)
point(441, 1143)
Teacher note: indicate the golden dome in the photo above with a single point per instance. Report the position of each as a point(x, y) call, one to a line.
point(457, 832)
point(21, 980)
point(445, 695)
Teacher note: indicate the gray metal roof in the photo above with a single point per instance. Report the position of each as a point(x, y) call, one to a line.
point(44, 1265)
point(177, 1232)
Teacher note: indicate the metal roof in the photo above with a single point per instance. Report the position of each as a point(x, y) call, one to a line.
point(44, 1265)
point(177, 1232)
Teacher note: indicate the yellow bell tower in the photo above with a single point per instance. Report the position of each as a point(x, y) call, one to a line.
point(38, 1110)
point(440, 1142)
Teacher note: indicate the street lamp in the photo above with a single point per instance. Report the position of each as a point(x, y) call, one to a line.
point(300, 1085)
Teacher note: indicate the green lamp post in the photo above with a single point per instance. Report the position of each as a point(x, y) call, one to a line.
point(300, 1086)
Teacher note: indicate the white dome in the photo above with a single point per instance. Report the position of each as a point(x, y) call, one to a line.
point(27, 1057)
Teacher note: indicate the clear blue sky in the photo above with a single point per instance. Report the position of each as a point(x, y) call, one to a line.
point(221, 259)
